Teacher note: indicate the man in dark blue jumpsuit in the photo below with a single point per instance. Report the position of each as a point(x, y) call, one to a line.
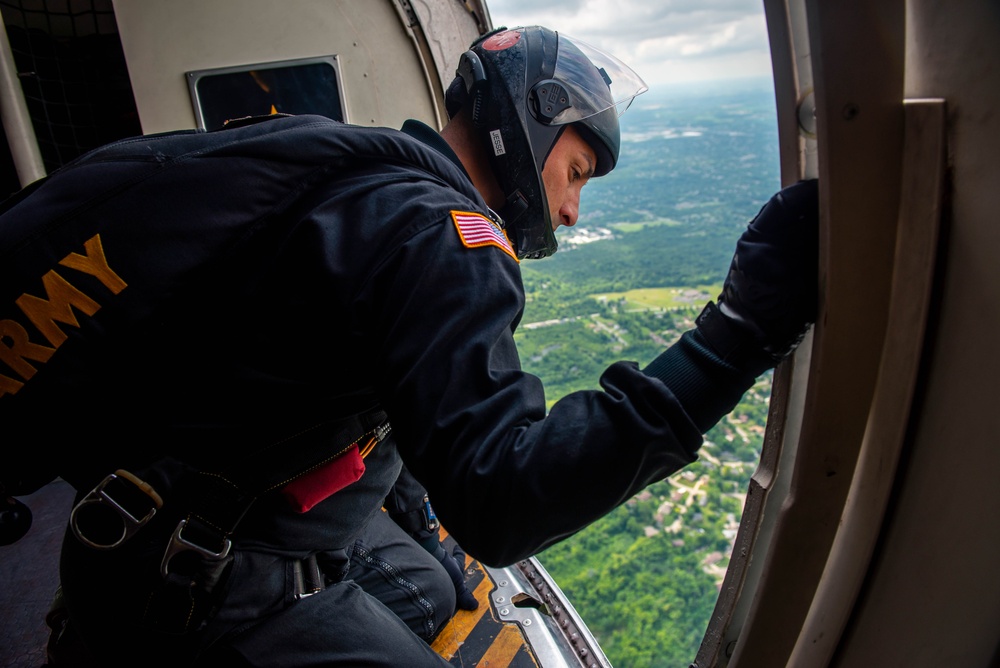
point(260, 325)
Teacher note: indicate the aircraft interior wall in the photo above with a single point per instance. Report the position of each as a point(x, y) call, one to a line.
point(932, 597)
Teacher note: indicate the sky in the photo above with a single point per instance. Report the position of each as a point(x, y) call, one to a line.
point(665, 41)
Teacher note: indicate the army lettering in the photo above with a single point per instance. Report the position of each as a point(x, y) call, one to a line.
point(17, 351)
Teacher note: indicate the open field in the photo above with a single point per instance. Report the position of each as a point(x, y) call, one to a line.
point(642, 299)
point(634, 226)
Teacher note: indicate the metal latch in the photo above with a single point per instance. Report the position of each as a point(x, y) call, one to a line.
point(114, 510)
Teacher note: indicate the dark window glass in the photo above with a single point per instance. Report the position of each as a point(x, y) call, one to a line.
point(303, 88)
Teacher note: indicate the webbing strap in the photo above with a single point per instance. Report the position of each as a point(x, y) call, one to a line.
point(220, 499)
point(214, 503)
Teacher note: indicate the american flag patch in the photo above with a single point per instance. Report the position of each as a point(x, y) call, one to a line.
point(477, 230)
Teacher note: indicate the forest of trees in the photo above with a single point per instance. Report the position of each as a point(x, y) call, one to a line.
point(695, 167)
point(645, 578)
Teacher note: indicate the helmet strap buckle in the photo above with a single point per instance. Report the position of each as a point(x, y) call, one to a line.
point(515, 205)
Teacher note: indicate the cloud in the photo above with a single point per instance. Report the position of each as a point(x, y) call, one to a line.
point(664, 41)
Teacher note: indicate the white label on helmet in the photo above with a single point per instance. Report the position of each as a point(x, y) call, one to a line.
point(498, 148)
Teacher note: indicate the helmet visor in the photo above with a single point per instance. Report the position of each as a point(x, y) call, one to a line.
point(596, 81)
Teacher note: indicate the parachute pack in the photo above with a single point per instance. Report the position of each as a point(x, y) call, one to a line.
point(111, 255)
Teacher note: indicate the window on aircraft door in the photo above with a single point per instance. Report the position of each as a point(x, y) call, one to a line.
point(309, 86)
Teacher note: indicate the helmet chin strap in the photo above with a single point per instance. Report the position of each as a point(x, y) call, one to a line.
point(514, 207)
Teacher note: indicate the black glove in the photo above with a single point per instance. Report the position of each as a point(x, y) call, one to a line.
point(454, 563)
point(770, 297)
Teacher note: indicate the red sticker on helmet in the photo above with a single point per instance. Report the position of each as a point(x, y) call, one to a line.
point(502, 40)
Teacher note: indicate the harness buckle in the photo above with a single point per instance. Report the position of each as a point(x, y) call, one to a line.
point(179, 544)
point(307, 578)
point(114, 511)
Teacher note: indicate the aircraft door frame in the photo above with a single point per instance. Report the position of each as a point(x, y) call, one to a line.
point(839, 408)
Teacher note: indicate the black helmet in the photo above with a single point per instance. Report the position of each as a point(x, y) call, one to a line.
point(525, 85)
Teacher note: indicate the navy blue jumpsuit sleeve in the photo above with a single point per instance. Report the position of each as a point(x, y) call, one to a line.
point(506, 479)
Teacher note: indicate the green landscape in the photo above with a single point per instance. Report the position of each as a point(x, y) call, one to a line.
point(653, 243)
